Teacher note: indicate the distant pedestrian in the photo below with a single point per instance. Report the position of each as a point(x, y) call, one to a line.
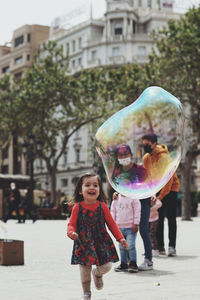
point(28, 206)
point(153, 225)
point(13, 203)
point(126, 213)
point(92, 243)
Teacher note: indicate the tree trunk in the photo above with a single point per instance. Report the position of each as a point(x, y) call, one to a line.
point(15, 154)
point(186, 194)
point(52, 177)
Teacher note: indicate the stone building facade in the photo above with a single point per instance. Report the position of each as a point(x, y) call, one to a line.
point(121, 36)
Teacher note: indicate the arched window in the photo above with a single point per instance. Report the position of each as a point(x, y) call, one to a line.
point(118, 29)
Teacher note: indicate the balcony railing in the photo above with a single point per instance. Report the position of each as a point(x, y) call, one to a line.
point(117, 37)
point(119, 59)
point(94, 62)
point(139, 58)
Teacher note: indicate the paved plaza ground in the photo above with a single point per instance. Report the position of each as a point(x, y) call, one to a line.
point(48, 275)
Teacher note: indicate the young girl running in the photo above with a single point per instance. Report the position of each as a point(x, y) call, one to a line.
point(92, 243)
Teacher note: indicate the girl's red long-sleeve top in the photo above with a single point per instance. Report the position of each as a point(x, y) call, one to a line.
point(71, 227)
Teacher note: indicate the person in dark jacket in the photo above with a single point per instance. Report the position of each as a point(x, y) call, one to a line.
point(13, 203)
point(27, 205)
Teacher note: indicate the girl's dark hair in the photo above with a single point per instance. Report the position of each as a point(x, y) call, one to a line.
point(77, 197)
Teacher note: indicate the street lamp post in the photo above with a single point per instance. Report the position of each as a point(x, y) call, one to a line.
point(30, 152)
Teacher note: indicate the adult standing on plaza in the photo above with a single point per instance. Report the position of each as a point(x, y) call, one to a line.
point(154, 160)
point(13, 203)
point(168, 196)
point(28, 206)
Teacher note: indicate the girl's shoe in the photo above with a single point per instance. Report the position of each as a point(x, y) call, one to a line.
point(98, 280)
point(132, 268)
point(86, 296)
point(121, 268)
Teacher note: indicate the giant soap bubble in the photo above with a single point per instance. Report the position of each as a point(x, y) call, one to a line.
point(120, 141)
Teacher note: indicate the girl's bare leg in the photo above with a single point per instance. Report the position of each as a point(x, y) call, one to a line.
point(98, 273)
point(85, 275)
point(101, 270)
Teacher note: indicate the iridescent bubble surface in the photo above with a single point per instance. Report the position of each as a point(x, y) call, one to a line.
point(130, 170)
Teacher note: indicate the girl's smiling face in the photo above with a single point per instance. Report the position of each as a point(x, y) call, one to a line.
point(90, 189)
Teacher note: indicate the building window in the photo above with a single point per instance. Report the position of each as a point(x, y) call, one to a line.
point(77, 155)
point(5, 152)
point(19, 167)
point(67, 48)
point(80, 61)
point(19, 41)
point(93, 55)
point(5, 69)
point(140, 3)
point(28, 57)
point(18, 75)
point(75, 180)
point(73, 63)
point(28, 37)
point(40, 165)
point(18, 60)
point(167, 3)
point(118, 29)
point(149, 3)
point(64, 182)
point(115, 51)
point(142, 51)
point(134, 27)
point(5, 169)
point(73, 45)
point(80, 43)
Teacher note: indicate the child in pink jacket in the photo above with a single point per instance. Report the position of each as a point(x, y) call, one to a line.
point(126, 213)
point(153, 225)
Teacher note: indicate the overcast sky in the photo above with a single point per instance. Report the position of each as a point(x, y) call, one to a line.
point(16, 13)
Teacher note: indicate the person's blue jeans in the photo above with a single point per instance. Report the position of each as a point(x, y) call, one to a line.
point(128, 255)
point(144, 227)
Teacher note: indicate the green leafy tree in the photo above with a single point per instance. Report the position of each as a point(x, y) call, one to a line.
point(176, 67)
point(9, 117)
point(56, 105)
